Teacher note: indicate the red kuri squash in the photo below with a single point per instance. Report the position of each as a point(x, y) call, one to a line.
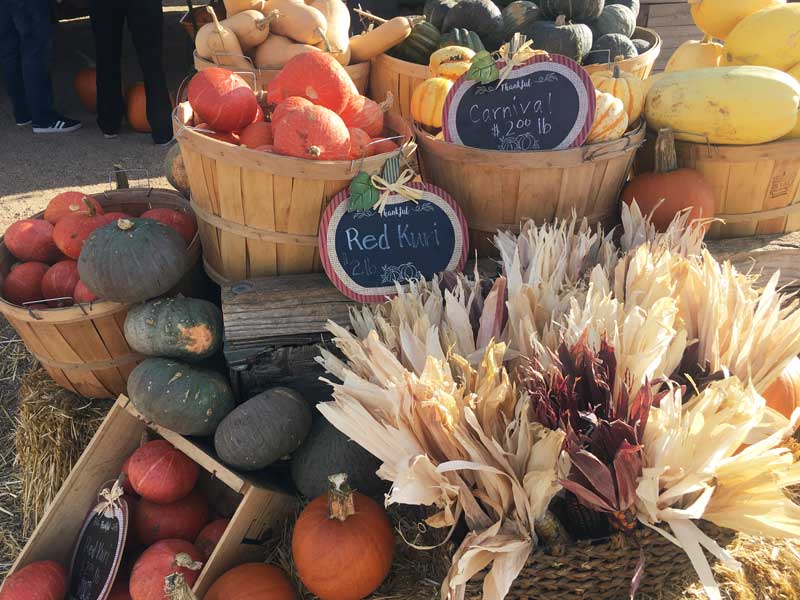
point(287, 106)
point(70, 203)
point(260, 116)
point(312, 132)
point(60, 282)
point(32, 240)
point(343, 544)
point(24, 282)
point(252, 581)
point(223, 136)
point(222, 99)
point(182, 222)
point(316, 76)
point(382, 146)
point(43, 580)
point(159, 560)
point(72, 231)
point(181, 520)
point(670, 190)
point(161, 473)
point(364, 113)
point(125, 479)
point(256, 134)
point(83, 294)
point(359, 143)
point(120, 591)
point(209, 537)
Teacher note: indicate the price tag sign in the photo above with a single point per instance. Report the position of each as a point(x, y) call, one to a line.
point(364, 253)
point(546, 103)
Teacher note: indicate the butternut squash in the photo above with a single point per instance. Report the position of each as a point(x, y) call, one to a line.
point(250, 26)
point(220, 44)
point(373, 43)
point(233, 7)
point(301, 23)
point(726, 105)
point(769, 38)
point(276, 51)
point(717, 18)
point(695, 54)
point(338, 32)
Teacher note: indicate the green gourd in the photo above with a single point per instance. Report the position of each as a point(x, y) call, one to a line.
point(614, 19)
point(641, 45)
point(634, 5)
point(609, 48)
point(572, 40)
point(481, 16)
point(418, 47)
point(463, 38)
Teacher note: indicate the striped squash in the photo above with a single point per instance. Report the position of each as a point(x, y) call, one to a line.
point(427, 102)
point(625, 86)
point(610, 119)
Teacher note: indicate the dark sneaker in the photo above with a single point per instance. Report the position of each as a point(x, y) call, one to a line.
point(111, 136)
point(60, 125)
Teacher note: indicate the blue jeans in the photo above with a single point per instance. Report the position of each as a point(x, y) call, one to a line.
point(25, 46)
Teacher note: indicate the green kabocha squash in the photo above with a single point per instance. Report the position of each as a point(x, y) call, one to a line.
point(573, 10)
point(418, 47)
point(132, 260)
point(641, 45)
point(614, 19)
point(481, 16)
point(572, 40)
point(609, 48)
point(632, 4)
point(517, 15)
point(263, 430)
point(463, 38)
point(185, 328)
point(186, 399)
point(327, 451)
point(436, 10)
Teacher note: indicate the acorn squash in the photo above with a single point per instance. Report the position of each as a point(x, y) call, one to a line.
point(464, 38)
point(436, 10)
point(693, 54)
point(768, 38)
point(573, 10)
point(418, 47)
point(726, 105)
point(631, 4)
point(641, 45)
point(518, 14)
point(609, 48)
point(481, 16)
point(717, 18)
point(572, 40)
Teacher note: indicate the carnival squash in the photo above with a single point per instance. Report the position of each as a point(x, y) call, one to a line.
point(252, 581)
point(159, 389)
point(717, 18)
point(573, 10)
point(222, 99)
point(24, 283)
point(263, 430)
point(436, 10)
point(463, 38)
point(783, 394)
point(420, 44)
point(451, 62)
point(315, 76)
point(210, 535)
point(481, 16)
point(42, 580)
point(625, 86)
point(365, 114)
point(693, 54)
point(182, 222)
point(71, 232)
point(314, 133)
point(372, 44)
point(726, 105)
point(159, 560)
point(298, 21)
point(342, 544)
point(59, 282)
point(182, 519)
point(161, 473)
point(132, 260)
point(767, 38)
point(278, 50)
point(609, 49)
point(572, 40)
point(32, 240)
point(610, 121)
point(185, 328)
point(517, 15)
point(251, 27)
point(669, 190)
point(615, 18)
point(219, 44)
point(427, 101)
point(68, 203)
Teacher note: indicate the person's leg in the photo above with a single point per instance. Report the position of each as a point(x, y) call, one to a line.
point(146, 23)
point(11, 60)
point(108, 17)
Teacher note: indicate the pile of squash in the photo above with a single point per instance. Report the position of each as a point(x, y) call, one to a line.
point(743, 89)
point(72, 254)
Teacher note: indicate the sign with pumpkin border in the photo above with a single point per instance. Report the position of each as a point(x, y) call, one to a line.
point(366, 276)
point(545, 103)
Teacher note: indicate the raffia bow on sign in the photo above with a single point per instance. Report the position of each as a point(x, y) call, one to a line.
point(110, 498)
point(398, 187)
point(515, 53)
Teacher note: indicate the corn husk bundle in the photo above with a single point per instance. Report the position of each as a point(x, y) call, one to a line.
point(624, 376)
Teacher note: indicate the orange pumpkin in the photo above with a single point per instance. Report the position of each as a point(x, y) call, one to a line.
point(316, 76)
point(287, 106)
point(32, 239)
point(69, 203)
point(343, 544)
point(59, 282)
point(210, 535)
point(365, 114)
point(24, 283)
point(84, 295)
point(312, 132)
point(181, 520)
point(669, 190)
point(182, 222)
point(359, 143)
point(382, 146)
point(161, 473)
point(252, 581)
point(258, 133)
point(43, 580)
point(136, 108)
point(159, 560)
point(784, 393)
point(86, 87)
point(72, 231)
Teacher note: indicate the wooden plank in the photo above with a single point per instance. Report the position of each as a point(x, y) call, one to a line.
point(232, 245)
point(261, 255)
point(763, 254)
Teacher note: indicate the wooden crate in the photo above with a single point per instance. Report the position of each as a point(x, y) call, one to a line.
point(673, 22)
point(256, 504)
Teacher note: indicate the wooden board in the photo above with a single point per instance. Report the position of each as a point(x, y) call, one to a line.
point(673, 22)
point(763, 254)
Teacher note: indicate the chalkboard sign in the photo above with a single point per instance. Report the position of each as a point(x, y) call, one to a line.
point(547, 103)
point(98, 552)
point(365, 253)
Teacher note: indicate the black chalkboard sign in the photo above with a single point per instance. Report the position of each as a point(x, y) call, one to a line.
point(547, 103)
point(365, 253)
point(98, 552)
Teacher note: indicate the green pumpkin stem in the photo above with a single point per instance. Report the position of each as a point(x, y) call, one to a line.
point(666, 155)
point(341, 505)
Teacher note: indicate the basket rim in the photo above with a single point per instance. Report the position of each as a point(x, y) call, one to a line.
point(407, 67)
point(100, 308)
point(354, 69)
point(735, 152)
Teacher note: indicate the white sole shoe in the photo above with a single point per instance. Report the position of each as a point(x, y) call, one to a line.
point(59, 127)
point(25, 124)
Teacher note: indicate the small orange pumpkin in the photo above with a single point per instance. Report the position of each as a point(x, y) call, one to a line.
point(136, 108)
point(359, 143)
point(312, 132)
point(252, 581)
point(86, 87)
point(343, 544)
point(365, 114)
point(427, 102)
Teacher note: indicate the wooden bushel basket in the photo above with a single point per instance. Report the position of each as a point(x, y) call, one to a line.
point(499, 190)
point(358, 72)
point(641, 65)
point(258, 213)
point(398, 77)
point(83, 347)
